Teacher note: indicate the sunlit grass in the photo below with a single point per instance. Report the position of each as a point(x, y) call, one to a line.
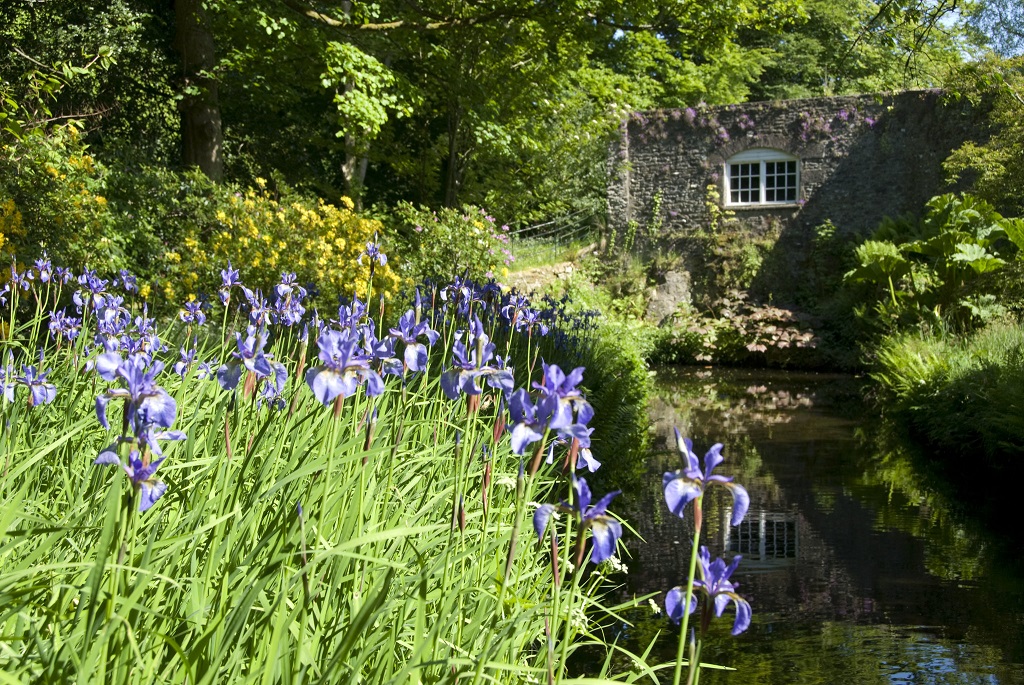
point(378, 539)
point(965, 395)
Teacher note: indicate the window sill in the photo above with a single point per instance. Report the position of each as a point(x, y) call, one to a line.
point(762, 207)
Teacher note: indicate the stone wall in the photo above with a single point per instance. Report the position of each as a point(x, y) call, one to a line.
point(861, 158)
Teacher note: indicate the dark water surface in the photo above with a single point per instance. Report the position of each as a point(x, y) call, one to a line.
point(856, 571)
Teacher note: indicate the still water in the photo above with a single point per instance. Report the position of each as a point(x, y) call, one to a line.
point(858, 572)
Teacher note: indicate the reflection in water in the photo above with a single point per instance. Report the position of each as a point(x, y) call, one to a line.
point(763, 536)
point(857, 571)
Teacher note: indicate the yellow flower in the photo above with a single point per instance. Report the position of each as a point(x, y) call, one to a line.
point(347, 201)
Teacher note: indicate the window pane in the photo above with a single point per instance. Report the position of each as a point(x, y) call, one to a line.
point(780, 181)
point(744, 181)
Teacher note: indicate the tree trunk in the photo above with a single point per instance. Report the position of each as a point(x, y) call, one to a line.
point(453, 177)
point(357, 160)
point(201, 135)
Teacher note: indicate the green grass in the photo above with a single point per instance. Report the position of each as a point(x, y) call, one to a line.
point(534, 253)
point(310, 544)
point(964, 397)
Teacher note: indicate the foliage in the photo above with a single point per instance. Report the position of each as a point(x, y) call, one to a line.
point(263, 236)
point(618, 384)
point(997, 24)
point(462, 241)
point(735, 331)
point(937, 268)
point(50, 186)
point(54, 195)
point(623, 280)
point(841, 48)
point(993, 166)
point(175, 231)
point(126, 98)
point(963, 396)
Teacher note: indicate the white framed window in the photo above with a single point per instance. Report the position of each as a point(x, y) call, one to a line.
point(761, 176)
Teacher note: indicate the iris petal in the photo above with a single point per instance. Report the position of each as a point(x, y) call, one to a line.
point(606, 532)
point(601, 507)
point(228, 375)
point(416, 356)
point(450, 384)
point(713, 458)
point(588, 461)
point(150, 491)
point(685, 446)
point(680, 491)
point(674, 604)
point(582, 493)
point(541, 518)
point(743, 610)
point(325, 384)
point(740, 502)
point(108, 456)
point(523, 435)
point(101, 410)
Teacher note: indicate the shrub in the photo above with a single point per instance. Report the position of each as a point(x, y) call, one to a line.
point(53, 197)
point(466, 241)
point(938, 268)
point(262, 236)
point(736, 331)
point(962, 397)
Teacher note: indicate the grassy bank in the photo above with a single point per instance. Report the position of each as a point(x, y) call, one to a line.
point(963, 398)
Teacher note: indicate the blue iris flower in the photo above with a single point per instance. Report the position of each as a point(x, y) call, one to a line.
point(40, 392)
point(604, 529)
point(530, 421)
point(250, 357)
point(148, 410)
point(408, 332)
point(344, 368)
point(193, 314)
point(685, 485)
point(718, 592)
point(142, 475)
point(374, 253)
point(471, 361)
point(146, 403)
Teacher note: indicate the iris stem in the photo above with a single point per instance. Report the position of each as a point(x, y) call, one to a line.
point(689, 594)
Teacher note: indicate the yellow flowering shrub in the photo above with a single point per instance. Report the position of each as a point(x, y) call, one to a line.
point(263, 237)
point(51, 198)
point(10, 224)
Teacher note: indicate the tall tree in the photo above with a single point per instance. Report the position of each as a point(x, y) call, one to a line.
point(202, 139)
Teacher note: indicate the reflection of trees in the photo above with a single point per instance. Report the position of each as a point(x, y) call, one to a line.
point(726, 404)
point(958, 547)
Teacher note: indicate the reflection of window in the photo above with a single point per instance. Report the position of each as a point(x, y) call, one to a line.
point(764, 536)
point(762, 177)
